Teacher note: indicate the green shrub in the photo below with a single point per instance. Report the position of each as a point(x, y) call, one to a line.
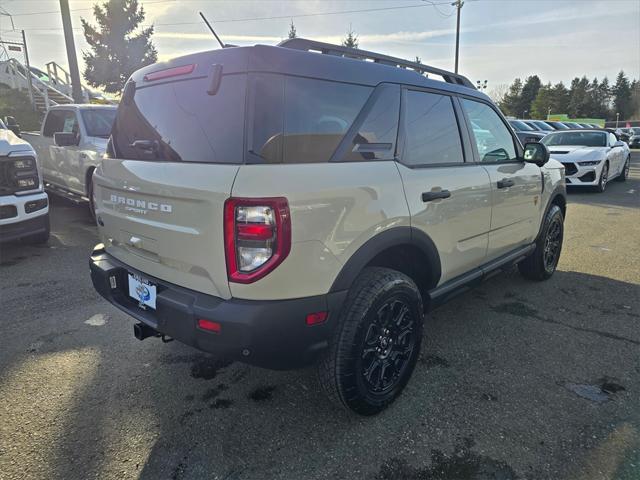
point(16, 103)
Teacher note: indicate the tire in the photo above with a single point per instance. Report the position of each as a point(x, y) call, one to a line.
point(40, 238)
point(89, 189)
point(542, 263)
point(368, 365)
point(625, 170)
point(604, 178)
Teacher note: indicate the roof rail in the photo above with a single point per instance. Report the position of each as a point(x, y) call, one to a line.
point(347, 52)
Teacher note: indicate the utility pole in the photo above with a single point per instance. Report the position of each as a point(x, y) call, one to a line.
point(76, 87)
point(458, 4)
point(26, 64)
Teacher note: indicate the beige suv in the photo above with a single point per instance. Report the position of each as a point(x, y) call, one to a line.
point(310, 202)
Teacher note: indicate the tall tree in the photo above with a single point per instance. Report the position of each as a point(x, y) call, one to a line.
point(622, 96)
point(579, 98)
point(529, 91)
point(351, 40)
point(635, 99)
point(293, 33)
point(118, 48)
point(543, 103)
point(510, 103)
point(560, 98)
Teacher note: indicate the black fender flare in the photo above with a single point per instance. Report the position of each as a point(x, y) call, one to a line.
point(558, 191)
point(389, 238)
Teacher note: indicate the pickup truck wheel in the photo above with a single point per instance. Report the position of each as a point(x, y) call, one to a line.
point(376, 342)
point(625, 170)
point(541, 264)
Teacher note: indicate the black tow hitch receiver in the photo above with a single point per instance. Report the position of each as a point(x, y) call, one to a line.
point(142, 331)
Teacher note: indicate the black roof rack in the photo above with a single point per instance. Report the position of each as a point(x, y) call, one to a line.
point(347, 52)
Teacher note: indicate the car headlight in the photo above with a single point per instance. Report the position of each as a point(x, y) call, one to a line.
point(589, 164)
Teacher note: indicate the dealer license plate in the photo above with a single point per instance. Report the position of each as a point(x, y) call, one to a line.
point(143, 291)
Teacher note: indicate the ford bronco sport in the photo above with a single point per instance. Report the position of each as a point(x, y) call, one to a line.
point(280, 205)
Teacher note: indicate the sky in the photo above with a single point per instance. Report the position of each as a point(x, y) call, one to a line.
point(500, 39)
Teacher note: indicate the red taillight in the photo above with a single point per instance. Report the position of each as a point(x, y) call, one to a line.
point(208, 325)
point(316, 318)
point(257, 236)
point(169, 72)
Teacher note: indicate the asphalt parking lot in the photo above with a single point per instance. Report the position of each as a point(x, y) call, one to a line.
point(516, 379)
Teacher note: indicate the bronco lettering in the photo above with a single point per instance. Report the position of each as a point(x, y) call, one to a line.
point(141, 206)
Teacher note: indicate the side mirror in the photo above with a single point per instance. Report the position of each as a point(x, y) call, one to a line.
point(12, 125)
point(64, 139)
point(537, 153)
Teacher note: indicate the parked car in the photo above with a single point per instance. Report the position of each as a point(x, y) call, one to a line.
point(278, 207)
point(539, 125)
point(634, 138)
point(585, 125)
point(573, 125)
point(24, 206)
point(525, 133)
point(620, 134)
point(556, 125)
point(591, 158)
point(70, 144)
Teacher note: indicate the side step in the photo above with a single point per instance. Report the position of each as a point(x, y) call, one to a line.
point(467, 281)
point(61, 192)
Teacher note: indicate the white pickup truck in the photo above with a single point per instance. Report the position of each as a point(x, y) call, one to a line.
point(70, 144)
point(24, 206)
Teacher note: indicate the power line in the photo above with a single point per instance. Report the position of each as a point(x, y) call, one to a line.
point(277, 17)
point(28, 14)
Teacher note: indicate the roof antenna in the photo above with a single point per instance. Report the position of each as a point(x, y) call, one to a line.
point(212, 30)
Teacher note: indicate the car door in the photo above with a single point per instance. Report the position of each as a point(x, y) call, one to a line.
point(449, 196)
point(52, 123)
point(615, 156)
point(63, 158)
point(516, 186)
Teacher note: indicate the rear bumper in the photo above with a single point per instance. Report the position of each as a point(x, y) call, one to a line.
point(269, 334)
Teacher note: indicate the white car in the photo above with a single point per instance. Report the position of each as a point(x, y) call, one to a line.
point(590, 157)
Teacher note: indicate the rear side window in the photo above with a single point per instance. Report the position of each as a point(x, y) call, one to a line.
point(377, 133)
point(431, 130)
point(60, 121)
point(300, 120)
point(180, 121)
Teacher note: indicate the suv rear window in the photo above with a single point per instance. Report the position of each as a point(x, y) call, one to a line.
point(299, 120)
point(179, 121)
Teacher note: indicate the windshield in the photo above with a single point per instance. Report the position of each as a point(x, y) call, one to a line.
point(584, 139)
point(518, 125)
point(98, 122)
point(542, 126)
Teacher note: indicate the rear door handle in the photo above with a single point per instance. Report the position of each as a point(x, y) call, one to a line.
point(505, 182)
point(429, 196)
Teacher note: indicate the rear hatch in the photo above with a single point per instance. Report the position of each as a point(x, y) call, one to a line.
point(175, 149)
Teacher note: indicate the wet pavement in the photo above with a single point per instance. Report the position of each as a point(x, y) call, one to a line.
point(516, 380)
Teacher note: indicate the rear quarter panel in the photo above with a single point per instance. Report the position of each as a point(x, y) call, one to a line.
point(335, 209)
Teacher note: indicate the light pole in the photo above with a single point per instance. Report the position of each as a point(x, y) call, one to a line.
point(524, 114)
point(458, 4)
point(548, 113)
point(617, 119)
point(76, 87)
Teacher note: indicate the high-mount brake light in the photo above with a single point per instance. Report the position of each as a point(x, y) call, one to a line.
point(257, 236)
point(169, 72)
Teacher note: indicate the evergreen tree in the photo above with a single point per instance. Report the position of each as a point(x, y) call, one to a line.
point(560, 98)
point(579, 98)
point(351, 40)
point(529, 92)
point(117, 51)
point(635, 99)
point(543, 102)
point(622, 97)
point(293, 33)
point(511, 101)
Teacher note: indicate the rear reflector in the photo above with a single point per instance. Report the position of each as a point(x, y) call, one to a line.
point(316, 318)
point(208, 325)
point(169, 72)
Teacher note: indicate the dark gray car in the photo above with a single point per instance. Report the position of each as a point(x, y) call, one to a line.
point(526, 133)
